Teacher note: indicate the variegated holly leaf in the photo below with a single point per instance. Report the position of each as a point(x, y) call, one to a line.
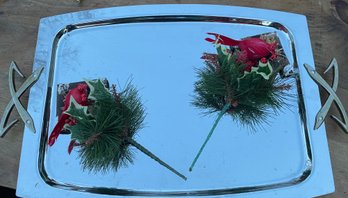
point(98, 91)
point(260, 73)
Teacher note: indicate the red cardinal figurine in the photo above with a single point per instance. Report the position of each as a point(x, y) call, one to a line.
point(253, 49)
point(80, 94)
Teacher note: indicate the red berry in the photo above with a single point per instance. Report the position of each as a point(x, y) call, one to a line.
point(263, 60)
point(273, 56)
point(235, 103)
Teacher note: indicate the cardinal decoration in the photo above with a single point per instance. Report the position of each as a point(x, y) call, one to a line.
point(103, 122)
point(241, 80)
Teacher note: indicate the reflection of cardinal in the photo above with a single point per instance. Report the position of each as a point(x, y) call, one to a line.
point(80, 95)
point(252, 49)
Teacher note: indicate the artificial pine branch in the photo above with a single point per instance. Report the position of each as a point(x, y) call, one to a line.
point(105, 129)
point(229, 85)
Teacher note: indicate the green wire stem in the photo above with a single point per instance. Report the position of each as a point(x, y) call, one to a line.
point(222, 112)
point(154, 157)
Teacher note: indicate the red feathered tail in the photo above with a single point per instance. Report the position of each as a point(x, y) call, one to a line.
point(57, 129)
point(72, 144)
point(221, 39)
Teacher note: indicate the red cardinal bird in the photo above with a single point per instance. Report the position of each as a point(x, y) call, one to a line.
point(80, 94)
point(253, 49)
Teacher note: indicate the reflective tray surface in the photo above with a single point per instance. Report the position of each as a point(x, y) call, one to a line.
point(158, 48)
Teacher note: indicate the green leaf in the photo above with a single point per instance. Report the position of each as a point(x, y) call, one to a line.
point(76, 110)
point(98, 91)
point(257, 74)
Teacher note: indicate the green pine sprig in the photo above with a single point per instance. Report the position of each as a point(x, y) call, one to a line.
point(106, 129)
point(248, 97)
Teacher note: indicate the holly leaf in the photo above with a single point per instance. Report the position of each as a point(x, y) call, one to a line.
point(223, 55)
point(76, 110)
point(85, 121)
point(257, 74)
point(98, 91)
point(265, 70)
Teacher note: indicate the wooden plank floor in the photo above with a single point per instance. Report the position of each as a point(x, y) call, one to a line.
point(19, 19)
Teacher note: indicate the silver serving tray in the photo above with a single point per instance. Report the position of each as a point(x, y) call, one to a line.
point(159, 47)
